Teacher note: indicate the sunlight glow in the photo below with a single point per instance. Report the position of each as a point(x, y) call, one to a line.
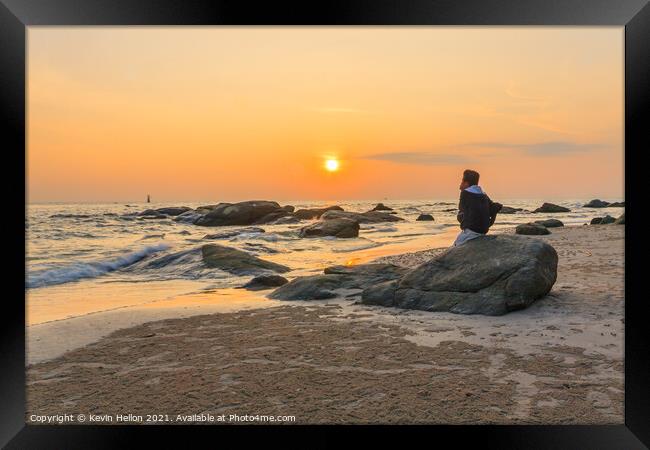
point(331, 165)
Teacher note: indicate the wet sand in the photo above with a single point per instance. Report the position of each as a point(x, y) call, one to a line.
point(559, 361)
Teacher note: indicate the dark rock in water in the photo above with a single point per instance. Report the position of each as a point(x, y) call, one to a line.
point(285, 220)
point(173, 211)
point(147, 212)
point(381, 207)
point(620, 220)
point(289, 208)
point(596, 203)
point(262, 282)
point(603, 220)
point(236, 261)
point(243, 213)
point(233, 233)
point(617, 205)
point(315, 213)
point(207, 208)
point(272, 217)
point(366, 217)
point(190, 216)
point(551, 208)
point(341, 228)
point(510, 210)
point(531, 229)
point(422, 217)
point(550, 223)
point(450, 210)
point(152, 216)
point(318, 287)
point(489, 275)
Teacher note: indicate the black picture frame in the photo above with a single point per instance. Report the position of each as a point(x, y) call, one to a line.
point(16, 15)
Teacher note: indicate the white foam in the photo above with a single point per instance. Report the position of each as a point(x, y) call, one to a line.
point(79, 270)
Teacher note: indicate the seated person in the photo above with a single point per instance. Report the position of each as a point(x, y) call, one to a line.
point(476, 212)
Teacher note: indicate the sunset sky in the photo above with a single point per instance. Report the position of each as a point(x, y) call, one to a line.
point(218, 114)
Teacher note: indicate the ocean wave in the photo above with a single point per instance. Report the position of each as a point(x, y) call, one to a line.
point(80, 270)
point(354, 248)
point(268, 237)
point(61, 235)
point(70, 216)
point(152, 236)
point(185, 264)
point(379, 229)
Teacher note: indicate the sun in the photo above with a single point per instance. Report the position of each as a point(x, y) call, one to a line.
point(331, 165)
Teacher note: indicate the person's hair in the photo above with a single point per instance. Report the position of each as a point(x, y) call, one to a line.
point(471, 176)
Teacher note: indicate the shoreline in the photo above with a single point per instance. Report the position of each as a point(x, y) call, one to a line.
point(52, 338)
point(558, 361)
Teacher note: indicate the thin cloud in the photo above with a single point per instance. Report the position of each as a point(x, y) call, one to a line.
point(542, 148)
point(427, 158)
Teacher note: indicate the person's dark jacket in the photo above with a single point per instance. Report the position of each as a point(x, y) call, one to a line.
point(477, 212)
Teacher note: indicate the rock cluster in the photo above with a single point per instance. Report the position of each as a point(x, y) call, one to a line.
point(489, 275)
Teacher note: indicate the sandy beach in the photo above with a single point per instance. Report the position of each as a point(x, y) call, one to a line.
point(559, 361)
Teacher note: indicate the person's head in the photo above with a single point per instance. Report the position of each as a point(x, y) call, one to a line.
point(470, 178)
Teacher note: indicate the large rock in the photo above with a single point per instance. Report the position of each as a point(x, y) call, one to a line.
point(315, 213)
point(425, 217)
point(319, 287)
point(236, 261)
point(366, 217)
point(341, 228)
point(550, 223)
point(243, 213)
point(617, 205)
point(262, 282)
point(596, 203)
point(551, 208)
point(490, 275)
point(531, 229)
point(620, 220)
point(382, 207)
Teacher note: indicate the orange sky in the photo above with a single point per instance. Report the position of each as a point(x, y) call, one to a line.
point(240, 113)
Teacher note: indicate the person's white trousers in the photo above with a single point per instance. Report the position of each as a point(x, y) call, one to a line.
point(465, 236)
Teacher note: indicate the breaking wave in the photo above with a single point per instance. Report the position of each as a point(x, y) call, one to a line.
point(93, 269)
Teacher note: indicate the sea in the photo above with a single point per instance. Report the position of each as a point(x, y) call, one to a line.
point(87, 258)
